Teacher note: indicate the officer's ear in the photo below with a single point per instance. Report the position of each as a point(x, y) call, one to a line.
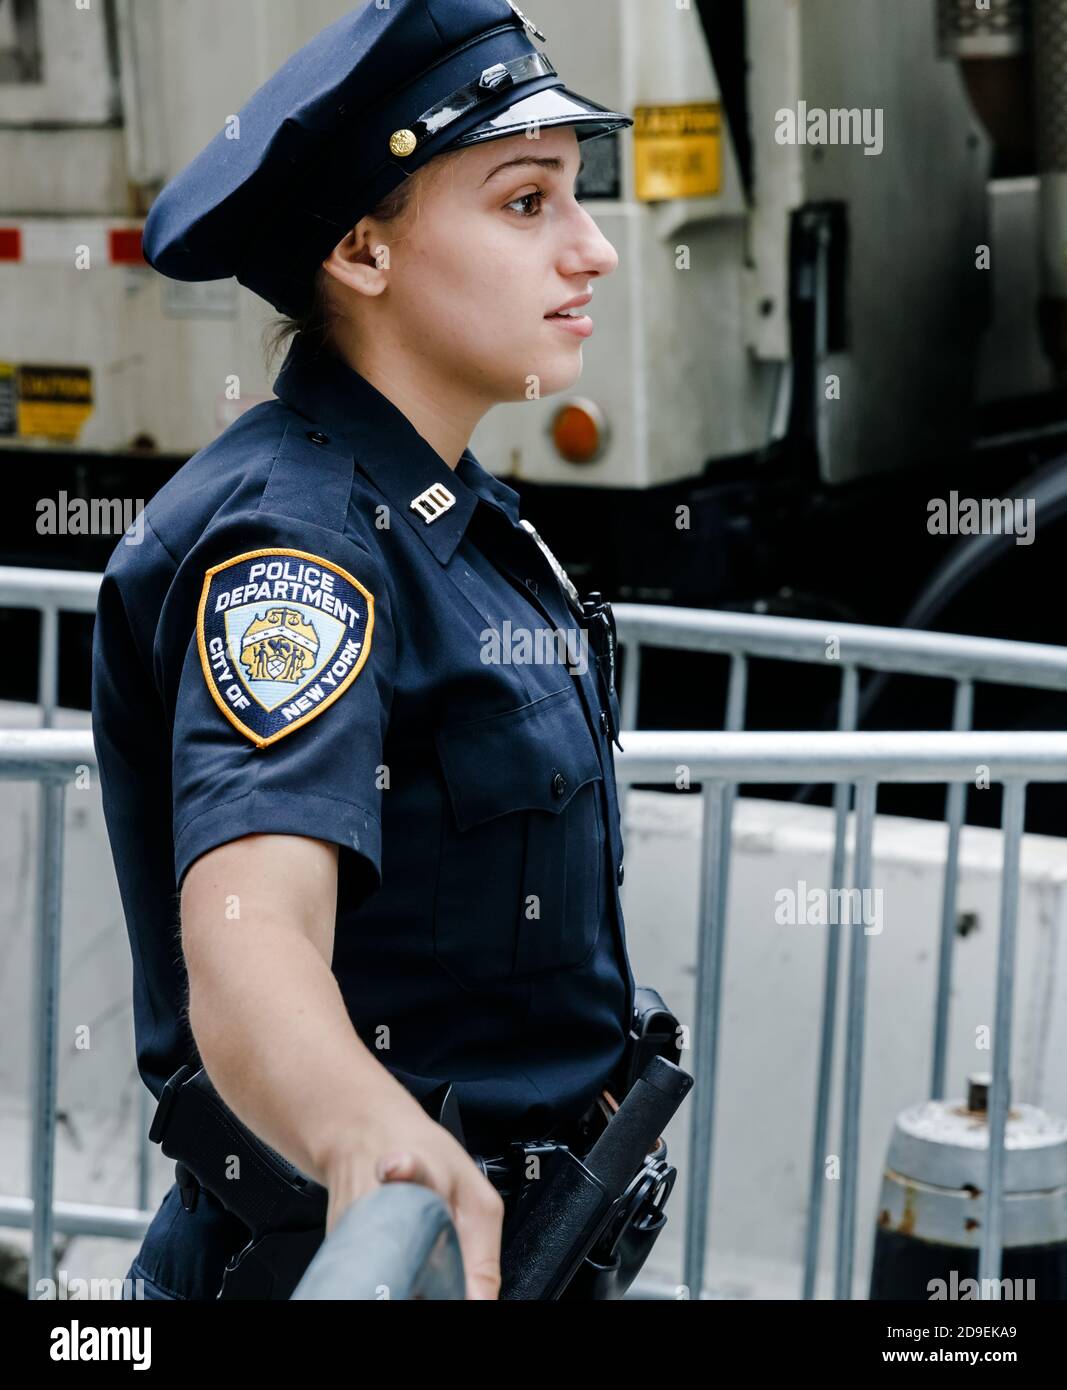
point(359, 261)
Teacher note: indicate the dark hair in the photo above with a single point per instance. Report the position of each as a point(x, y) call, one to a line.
point(315, 326)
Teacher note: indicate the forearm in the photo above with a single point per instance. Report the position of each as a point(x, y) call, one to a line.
point(274, 1035)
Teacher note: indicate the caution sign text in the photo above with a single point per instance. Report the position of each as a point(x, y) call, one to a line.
point(678, 151)
point(54, 402)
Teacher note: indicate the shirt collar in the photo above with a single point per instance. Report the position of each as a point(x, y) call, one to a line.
point(387, 447)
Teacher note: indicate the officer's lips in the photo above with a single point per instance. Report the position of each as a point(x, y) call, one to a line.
point(567, 317)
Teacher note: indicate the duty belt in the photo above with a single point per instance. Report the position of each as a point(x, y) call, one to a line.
point(608, 1172)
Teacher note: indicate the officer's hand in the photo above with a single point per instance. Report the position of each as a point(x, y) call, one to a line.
point(417, 1149)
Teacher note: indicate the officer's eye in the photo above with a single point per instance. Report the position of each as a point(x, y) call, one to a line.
point(538, 197)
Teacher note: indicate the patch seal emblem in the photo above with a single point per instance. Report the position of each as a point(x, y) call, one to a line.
point(282, 634)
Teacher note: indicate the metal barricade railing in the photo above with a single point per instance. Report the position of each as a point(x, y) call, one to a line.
point(53, 759)
point(398, 1242)
point(961, 659)
point(50, 593)
point(844, 759)
point(714, 761)
point(864, 759)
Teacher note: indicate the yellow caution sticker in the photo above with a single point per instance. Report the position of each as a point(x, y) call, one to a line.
point(53, 402)
point(678, 151)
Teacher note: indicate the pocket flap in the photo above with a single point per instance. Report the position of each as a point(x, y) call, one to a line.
point(533, 758)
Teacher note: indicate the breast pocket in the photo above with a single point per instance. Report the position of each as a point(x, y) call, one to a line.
point(522, 848)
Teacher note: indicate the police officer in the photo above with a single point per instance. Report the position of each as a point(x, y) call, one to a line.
point(355, 748)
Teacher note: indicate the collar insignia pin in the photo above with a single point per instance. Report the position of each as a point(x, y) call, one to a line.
point(432, 503)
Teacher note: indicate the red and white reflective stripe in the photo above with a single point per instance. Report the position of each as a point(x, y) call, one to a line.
point(61, 241)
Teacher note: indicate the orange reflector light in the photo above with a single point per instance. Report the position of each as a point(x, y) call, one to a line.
point(579, 432)
point(125, 246)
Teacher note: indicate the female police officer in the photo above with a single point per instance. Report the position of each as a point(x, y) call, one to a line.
point(328, 724)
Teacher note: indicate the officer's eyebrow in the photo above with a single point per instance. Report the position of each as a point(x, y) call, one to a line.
point(552, 162)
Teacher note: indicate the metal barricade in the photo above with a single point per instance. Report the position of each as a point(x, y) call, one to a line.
point(741, 637)
point(49, 593)
point(717, 760)
point(864, 759)
point(714, 760)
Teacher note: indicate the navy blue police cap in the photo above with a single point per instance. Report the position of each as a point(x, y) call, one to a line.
point(360, 108)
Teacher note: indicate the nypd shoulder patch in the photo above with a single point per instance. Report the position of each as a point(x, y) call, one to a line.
point(282, 635)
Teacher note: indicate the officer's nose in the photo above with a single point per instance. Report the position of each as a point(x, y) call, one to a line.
point(588, 250)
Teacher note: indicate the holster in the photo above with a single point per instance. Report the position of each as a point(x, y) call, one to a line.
point(283, 1209)
point(614, 1262)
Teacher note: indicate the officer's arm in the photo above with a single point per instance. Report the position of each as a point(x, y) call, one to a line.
point(273, 1032)
point(265, 1010)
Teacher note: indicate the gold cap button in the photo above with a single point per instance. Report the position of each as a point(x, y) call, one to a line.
point(402, 143)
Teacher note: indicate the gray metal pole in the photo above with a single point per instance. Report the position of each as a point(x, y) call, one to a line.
point(866, 796)
point(833, 757)
point(943, 654)
point(846, 721)
point(989, 1257)
point(736, 698)
point(45, 1028)
point(955, 806)
point(710, 941)
point(631, 679)
point(48, 666)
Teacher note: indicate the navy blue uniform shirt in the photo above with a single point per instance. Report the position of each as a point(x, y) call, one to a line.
point(297, 649)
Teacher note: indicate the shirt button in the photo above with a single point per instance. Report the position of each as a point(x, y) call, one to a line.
point(317, 437)
point(621, 874)
point(559, 784)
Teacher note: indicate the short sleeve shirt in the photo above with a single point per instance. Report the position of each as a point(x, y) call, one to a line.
point(328, 632)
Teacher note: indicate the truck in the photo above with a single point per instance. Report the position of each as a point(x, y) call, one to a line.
point(828, 377)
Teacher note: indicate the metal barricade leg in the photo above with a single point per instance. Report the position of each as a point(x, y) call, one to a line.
point(989, 1258)
point(866, 797)
point(45, 1027)
point(955, 806)
point(847, 711)
point(710, 941)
